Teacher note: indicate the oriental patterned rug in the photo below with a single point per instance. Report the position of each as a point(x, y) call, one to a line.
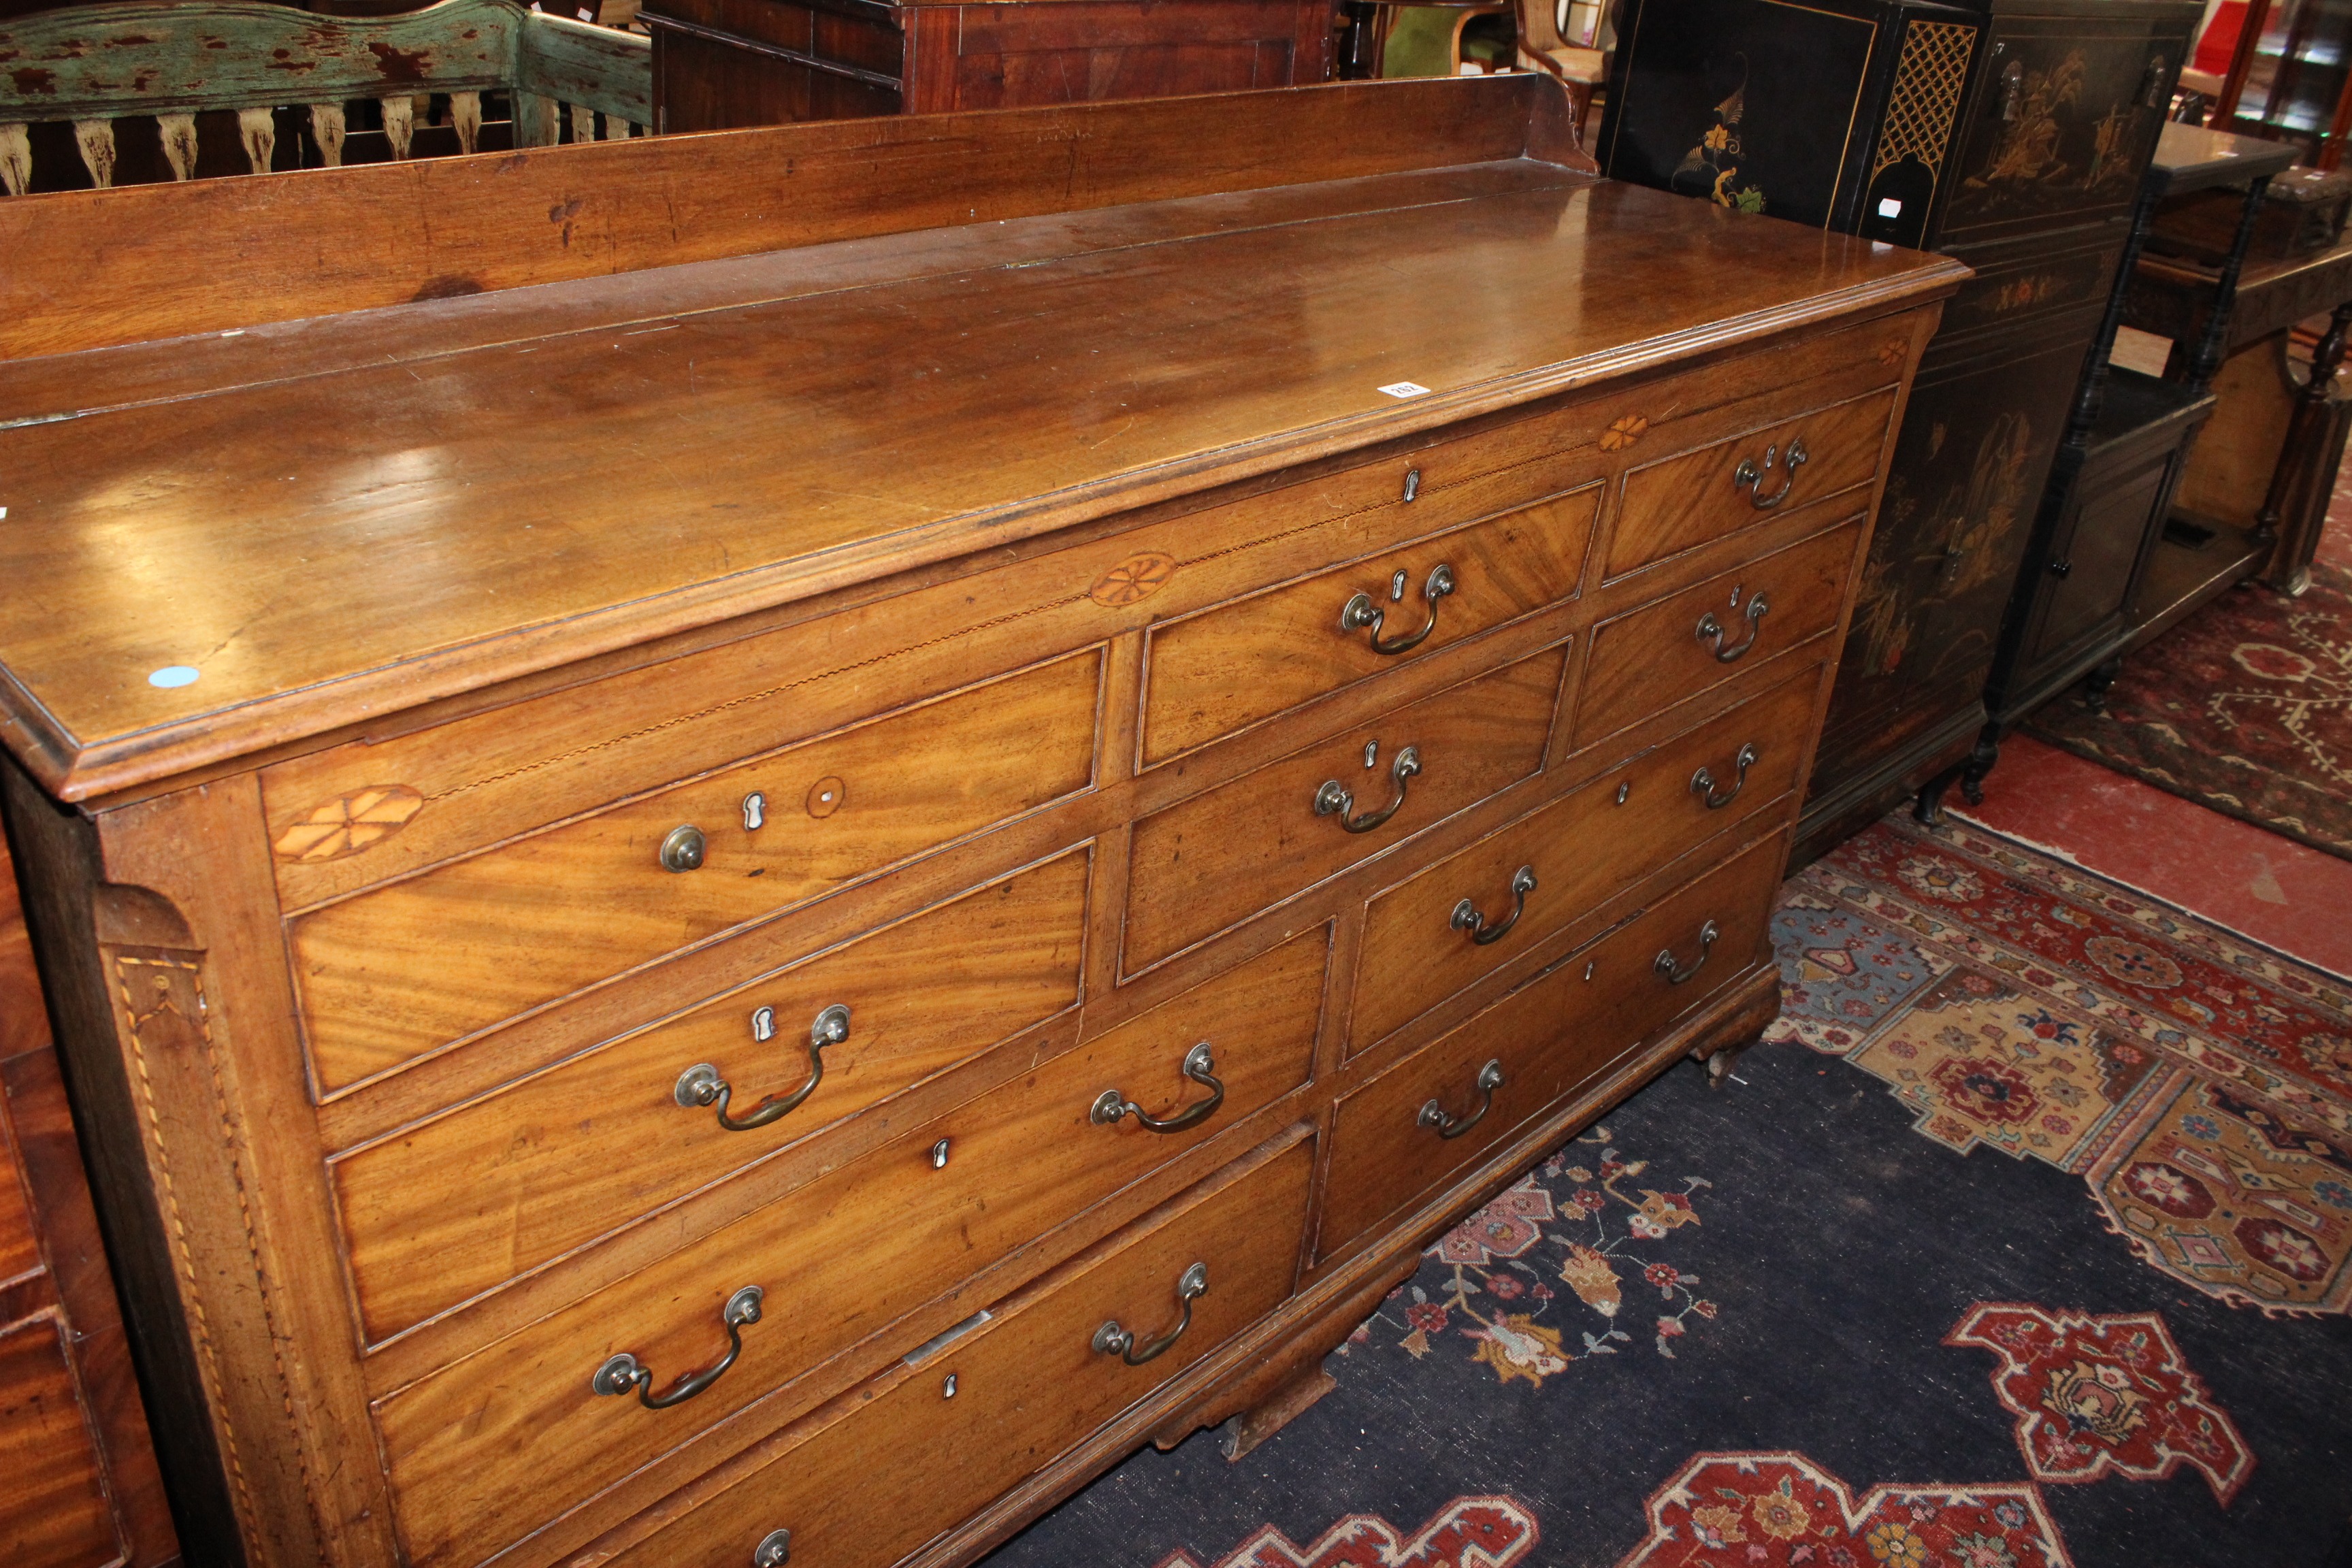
point(2020, 1243)
point(2245, 707)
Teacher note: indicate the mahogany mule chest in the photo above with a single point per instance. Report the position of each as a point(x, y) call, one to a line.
point(809, 873)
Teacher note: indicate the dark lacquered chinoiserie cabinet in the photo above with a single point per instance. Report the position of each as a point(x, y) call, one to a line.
point(2011, 136)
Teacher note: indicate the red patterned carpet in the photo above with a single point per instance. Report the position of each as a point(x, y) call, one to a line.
point(2200, 1084)
point(2245, 707)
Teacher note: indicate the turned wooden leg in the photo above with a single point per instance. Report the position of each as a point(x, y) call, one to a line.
point(1930, 806)
point(1980, 762)
point(2300, 461)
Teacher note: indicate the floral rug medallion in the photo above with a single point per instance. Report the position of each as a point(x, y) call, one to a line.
point(2104, 1395)
point(1784, 1509)
point(1468, 1532)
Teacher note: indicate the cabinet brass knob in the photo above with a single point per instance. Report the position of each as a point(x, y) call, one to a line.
point(682, 849)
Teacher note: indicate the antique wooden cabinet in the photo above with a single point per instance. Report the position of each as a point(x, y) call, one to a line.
point(2011, 134)
point(79, 1487)
point(2127, 444)
point(725, 63)
point(916, 822)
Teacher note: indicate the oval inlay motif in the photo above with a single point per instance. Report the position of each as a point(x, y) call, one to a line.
point(1133, 580)
point(350, 823)
point(827, 796)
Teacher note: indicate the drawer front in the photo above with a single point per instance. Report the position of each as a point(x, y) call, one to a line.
point(1204, 864)
point(1229, 667)
point(947, 1434)
point(1573, 854)
point(1679, 504)
point(53, 1509)
point(1651, 658)
point(443, 1211)
point(1548, 1039)
point(400, 970)
point(484, 1449)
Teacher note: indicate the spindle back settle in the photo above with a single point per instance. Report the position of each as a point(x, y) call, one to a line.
point(98, 269)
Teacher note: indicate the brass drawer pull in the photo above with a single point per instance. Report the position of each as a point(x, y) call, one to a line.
point(626, 1374)
point(775, 1550)
point(1361, 613)
point(1749, 477)
point(1675, 976)
point(1468, 918)
point(700, 1084)
point(682, 849)
point(1710, 631)
point(1333, 799)
point(1112, 1340)
point(1199, 1065)
point(1490, 1079)
point(1703, 782)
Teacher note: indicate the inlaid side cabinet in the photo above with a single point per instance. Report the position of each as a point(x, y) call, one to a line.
point(79, 1487)
point(916, 822)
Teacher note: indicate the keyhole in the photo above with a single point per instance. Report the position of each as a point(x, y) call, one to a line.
point(1623, 790)
point(940, 1155)
point(947, 1389)
point(1372, 753)
point(1590, 967)
point(1396, 587)
point(763, 1023)
point(1736, 592)
point(755, 811)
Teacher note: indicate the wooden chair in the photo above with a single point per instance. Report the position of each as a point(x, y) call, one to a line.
point(1542, 48)
point(90, 66)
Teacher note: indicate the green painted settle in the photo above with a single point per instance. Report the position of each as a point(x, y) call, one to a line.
point(103, 62)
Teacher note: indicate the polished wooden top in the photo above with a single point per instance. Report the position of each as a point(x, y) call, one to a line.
point(334, 519)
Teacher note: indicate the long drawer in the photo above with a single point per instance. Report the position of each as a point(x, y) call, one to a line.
point(1236, 663)
point(402, 969)
point(942, 1436)
point(1217, 857)
point(442, 1211)
point(1650, 658)
point(489, 1446)
point(1527, 880)
point(1402, 1135)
